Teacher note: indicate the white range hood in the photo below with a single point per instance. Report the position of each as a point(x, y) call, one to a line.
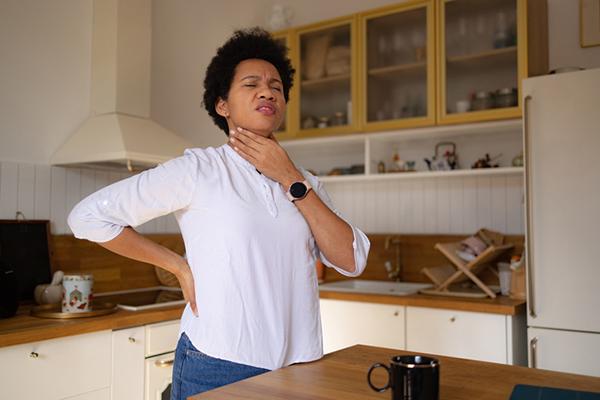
point(119, 133)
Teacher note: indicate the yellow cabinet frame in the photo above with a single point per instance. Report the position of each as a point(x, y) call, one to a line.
point(290, 121)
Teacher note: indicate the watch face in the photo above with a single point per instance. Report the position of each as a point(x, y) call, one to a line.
point(298, 190)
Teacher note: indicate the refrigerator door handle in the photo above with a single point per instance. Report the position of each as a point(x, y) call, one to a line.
point(528, 208)
point(533, 351)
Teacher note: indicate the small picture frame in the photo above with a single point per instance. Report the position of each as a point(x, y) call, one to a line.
point(589, 23)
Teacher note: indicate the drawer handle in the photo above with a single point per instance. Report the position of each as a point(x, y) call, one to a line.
point(131, 340)
point(452, 319)
point(396, 313)
point(164, 363)
point(33, 354)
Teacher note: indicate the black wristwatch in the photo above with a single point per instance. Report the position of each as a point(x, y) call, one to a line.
point(298, 190)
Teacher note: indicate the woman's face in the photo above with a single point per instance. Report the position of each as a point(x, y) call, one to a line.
point(255, 100)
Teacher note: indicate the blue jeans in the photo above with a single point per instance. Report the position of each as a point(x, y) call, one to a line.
point(195, 372)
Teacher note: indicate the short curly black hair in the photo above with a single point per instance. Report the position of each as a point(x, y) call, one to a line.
point(243, 45)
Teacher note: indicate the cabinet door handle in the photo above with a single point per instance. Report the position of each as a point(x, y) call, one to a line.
point(33, 354)
point(132, 340)
point(529, 193)
point(396, 313)
point(452, 319)
point(533, 351)
point(164, 363)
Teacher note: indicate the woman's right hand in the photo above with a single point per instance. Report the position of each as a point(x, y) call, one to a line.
point(186, 281)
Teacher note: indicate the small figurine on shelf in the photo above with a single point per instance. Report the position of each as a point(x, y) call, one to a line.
point(486, 162)
point(400, 164)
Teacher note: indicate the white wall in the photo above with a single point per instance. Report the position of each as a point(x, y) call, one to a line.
point(45, 71)
point(563, 40)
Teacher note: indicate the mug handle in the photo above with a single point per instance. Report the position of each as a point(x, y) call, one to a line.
point(375, 388)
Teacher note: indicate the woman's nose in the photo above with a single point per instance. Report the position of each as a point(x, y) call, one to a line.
point(266, 93)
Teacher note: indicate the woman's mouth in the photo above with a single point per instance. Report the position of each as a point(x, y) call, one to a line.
point(266, 109)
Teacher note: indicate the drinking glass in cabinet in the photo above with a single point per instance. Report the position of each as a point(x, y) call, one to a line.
point(326, 69)
point(396, 49)
point(480, 53)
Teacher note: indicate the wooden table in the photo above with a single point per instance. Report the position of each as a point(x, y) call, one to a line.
point(343, 375)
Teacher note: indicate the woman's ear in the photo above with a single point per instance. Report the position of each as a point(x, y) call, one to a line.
point(222, 108)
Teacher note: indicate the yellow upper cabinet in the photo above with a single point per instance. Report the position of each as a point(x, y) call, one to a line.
point(397, 64)
point(287, 129)
point(327, 78)
point(485, 49)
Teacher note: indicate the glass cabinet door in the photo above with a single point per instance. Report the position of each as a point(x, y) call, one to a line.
point(398, 66)
point(480, 68)
point(327, 78)
point(286, 130)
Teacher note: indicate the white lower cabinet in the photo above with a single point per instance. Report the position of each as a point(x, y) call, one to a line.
point(71, 367)
point(346, 323)
point(478, 336)
point(128, 346)
point(143, 361)
point(564, 351)
point(102, 394)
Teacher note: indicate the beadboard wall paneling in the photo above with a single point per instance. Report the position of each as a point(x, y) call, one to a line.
point(420, 206)
point(456, 205)
point(46, 192)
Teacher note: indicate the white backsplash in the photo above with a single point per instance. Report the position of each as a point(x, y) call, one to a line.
point(459, 205)
point(431, 205)
point(45, 192)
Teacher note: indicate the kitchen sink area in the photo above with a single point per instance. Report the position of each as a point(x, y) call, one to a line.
point(375, 287)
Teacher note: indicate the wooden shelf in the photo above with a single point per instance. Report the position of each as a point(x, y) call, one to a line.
point(486, 55)
point(394, 69)
point(423, 174)
point(326, 81)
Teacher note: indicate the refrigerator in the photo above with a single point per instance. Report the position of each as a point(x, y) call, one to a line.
point(561, 134)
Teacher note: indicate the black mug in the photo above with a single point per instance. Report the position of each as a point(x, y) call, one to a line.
point(410, 378)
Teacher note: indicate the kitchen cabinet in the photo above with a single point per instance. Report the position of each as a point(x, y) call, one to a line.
point(128, 347)
point(61, 368)
point(484, 50)
point(478, 336)
point(398, 66)
point(142, 360)
point(417, 63)
point(346, 323)
point(327, 77)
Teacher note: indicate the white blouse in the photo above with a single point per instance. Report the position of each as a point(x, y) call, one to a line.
point(250, 249)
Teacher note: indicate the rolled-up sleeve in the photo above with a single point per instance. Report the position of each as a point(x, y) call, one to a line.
point(101, 216)
point(360, 243)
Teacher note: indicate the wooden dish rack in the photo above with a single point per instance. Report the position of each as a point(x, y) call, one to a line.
point(460, 270)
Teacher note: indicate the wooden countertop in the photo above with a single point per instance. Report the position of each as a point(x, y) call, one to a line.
point(343, 375)
point(23, 328)
point(499, 305)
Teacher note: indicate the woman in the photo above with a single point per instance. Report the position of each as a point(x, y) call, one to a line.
point(253, 225)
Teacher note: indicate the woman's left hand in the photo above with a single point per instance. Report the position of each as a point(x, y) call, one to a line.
point(266, 154)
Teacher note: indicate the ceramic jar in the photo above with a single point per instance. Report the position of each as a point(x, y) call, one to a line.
point(77, 293)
